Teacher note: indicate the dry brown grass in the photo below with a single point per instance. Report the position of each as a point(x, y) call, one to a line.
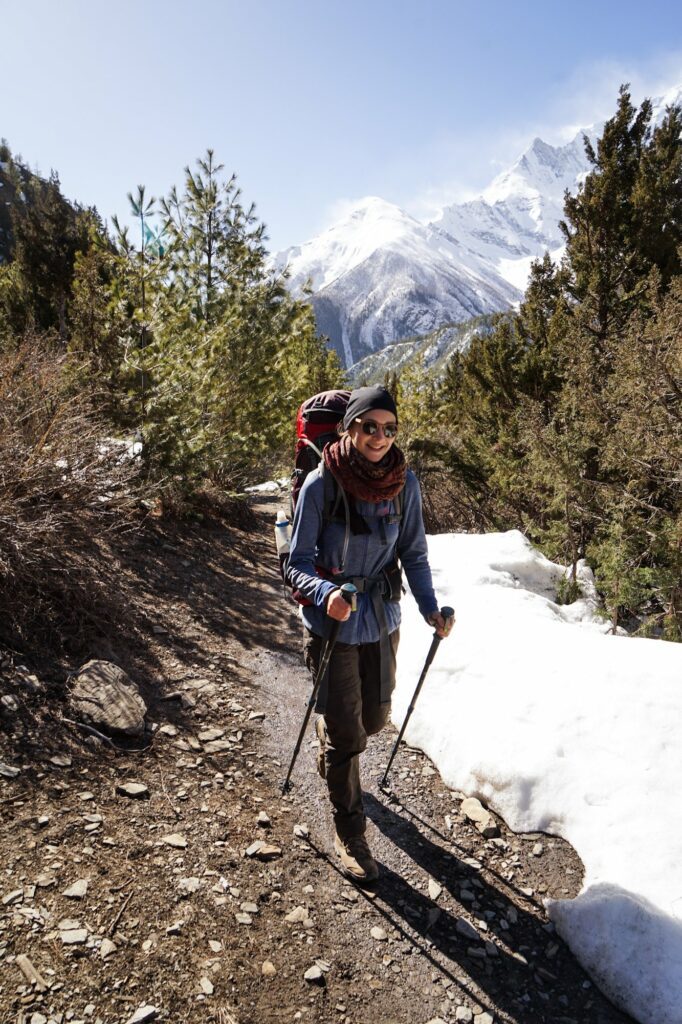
point(63, 490)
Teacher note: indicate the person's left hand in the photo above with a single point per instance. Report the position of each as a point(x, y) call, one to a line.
point(442, 626)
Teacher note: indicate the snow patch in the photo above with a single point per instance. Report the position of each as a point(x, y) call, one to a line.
point(559, 726)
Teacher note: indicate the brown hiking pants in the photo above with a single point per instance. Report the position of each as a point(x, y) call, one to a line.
point(353, 711)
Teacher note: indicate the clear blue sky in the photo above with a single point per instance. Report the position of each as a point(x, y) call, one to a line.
point(314, 102)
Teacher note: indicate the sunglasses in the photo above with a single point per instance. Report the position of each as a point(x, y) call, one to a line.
point(370, 427)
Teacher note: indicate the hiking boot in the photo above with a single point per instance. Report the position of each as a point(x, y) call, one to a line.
point(357, 861)
point(322, 739)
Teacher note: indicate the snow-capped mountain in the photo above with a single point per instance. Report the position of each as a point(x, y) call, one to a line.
point(516, 219)
point(379, 275)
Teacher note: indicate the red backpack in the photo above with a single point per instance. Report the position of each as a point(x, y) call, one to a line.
point(316, 423)
point(316, 426)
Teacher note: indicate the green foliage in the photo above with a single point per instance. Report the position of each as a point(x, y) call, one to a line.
point(566, 419)
point(41, 234)
point(184, 335)
point(230, 354)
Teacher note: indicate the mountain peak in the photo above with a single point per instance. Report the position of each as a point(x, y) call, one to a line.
point(369, 224)
point(372, 204)
point(371, 208)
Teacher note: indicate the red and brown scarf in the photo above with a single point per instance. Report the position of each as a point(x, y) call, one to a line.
point(368, 481)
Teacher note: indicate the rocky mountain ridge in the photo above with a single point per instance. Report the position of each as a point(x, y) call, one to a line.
point(379, 276)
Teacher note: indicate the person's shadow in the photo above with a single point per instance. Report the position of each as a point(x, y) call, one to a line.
point(507, 960)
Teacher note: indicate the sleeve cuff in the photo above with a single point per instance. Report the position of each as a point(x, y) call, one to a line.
point(323, 591)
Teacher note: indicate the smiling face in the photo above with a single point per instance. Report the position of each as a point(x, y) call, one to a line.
point(372, 446)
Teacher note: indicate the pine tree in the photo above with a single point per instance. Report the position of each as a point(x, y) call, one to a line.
point(47, 233)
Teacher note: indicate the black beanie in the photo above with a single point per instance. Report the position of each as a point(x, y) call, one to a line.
point(364, 400)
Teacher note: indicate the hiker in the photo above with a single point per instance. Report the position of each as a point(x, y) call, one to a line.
point(385, 516)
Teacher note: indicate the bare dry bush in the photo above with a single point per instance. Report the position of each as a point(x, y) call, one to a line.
point(64, 487)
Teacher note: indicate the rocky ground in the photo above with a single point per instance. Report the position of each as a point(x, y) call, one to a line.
point(200, 893)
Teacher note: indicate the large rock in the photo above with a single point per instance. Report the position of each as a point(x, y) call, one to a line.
point(476, 813)
point(102, 694)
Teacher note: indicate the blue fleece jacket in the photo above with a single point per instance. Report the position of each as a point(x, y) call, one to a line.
point(315, 542)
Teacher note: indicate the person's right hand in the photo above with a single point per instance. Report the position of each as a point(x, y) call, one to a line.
point(337, 606)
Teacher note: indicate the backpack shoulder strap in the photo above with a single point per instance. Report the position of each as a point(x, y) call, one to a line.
point(397, 513)
point(333, 495)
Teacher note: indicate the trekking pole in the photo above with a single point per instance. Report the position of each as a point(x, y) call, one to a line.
point(349, 593)
point(447, 613)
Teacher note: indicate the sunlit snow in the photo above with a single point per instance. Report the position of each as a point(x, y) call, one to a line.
point(559, 727)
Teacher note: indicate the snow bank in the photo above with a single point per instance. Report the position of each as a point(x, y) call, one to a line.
point(269, 487)
point(560, 727)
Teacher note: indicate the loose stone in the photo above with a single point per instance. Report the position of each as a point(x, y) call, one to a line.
point(379, 934)
point(107, 948)
point(30, 973)
point(208, 735)
point(268, 970)
point(134, 790)
point(61, 760)
point(466, 929)
point(217, 746)
point(189, 885)
point(297, 915)
point(263, 851)
point(477, 814)
point(78, 890)
point(434, 889)
point(314, 975)
point(175, 840)
point(206, 986)
point(143, 1014)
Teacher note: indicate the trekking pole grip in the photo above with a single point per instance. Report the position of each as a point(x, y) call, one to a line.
point(447, 612)
point(350, 596)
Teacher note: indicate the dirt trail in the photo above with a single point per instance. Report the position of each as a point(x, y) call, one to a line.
point(204, 932)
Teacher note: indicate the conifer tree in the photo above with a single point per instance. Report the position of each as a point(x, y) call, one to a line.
point(43, 235)
point(565, 419)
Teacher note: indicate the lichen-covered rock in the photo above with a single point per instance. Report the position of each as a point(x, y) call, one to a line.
point(105, 696)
